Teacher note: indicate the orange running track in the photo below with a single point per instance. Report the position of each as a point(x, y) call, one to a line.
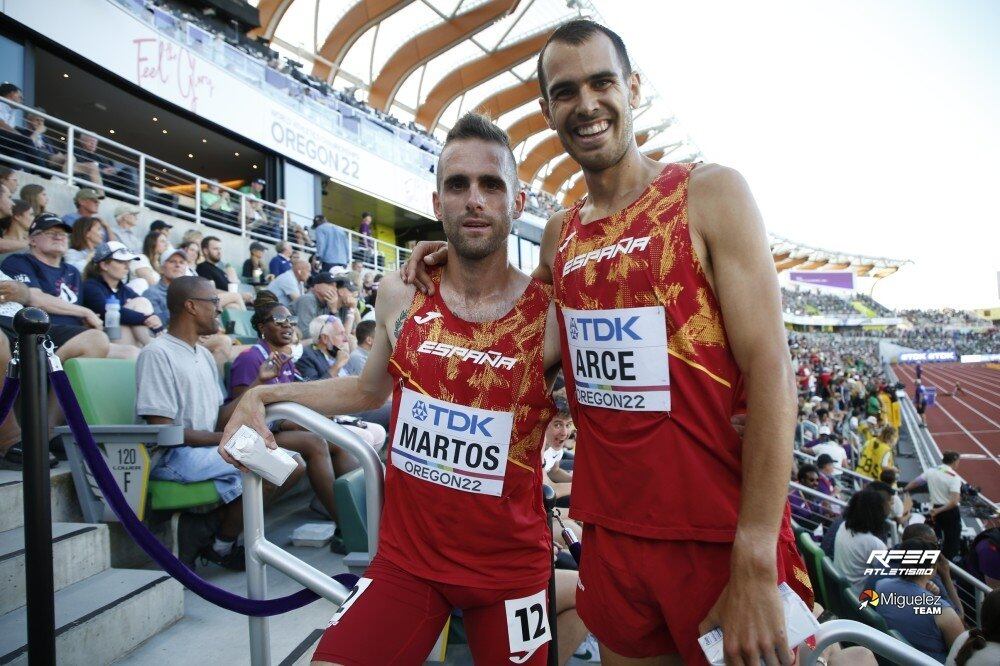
point(968, 422)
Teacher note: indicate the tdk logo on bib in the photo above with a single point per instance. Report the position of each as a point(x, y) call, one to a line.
point(451, 445)
point(456, 421)
point(619, 357)
point(601, 329)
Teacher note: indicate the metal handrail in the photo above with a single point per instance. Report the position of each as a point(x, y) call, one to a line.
point(260, 552)
point(830, 499)
point(979, 588)
point(146, 165)
point(878, 642)
point(838, 468)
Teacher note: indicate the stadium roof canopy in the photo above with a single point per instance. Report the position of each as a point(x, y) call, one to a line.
point(789, 254)
point(431, 60)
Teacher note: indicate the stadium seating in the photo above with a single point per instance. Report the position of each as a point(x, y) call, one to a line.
point(813, 556)
point(106, 391)
point(242, 328)
point(349, 491)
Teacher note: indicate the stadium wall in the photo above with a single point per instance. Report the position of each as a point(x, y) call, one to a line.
point(113, 39)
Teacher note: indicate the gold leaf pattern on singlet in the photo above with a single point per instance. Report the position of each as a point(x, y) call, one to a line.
point(703, 328)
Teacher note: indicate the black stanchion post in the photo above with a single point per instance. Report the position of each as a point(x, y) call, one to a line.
point(31, 325)
point(549, 497)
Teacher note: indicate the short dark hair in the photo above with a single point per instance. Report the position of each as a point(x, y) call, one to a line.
point(206, 240)
point(888, 476)
point(577, 32)
point(824, 460)
point(365, 331)
point(920, 532)
point(7, 88)
point(477, 126)
point(914, 546)
point(365, 214)
point(806, 470)
point(950, 456)
point(183, 289)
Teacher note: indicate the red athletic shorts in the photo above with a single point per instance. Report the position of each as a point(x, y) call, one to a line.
point(394, 617)
point(646, 597)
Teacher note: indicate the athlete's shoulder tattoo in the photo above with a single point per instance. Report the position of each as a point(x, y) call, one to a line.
point(400, 320)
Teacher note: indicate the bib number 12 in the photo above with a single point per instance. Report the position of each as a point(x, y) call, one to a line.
point(527, 625)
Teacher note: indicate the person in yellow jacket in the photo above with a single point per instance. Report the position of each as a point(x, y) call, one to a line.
point(876, 455)
point(885, 404)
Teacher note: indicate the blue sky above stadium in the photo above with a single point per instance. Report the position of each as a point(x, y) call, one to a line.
point(862, 126)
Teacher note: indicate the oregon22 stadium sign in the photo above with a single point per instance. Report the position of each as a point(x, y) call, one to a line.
point(185, 76)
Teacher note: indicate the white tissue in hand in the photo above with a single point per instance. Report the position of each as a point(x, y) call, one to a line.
point(247, 447)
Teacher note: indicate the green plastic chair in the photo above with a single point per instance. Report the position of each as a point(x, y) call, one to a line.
point(105, 389)
point(242, 328)
point(813, 556)
point(349, 492)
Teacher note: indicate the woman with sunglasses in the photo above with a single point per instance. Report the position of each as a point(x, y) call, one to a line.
point(270, 362)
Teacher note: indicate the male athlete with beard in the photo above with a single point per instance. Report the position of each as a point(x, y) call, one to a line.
point(469, 368)
point(670, 320)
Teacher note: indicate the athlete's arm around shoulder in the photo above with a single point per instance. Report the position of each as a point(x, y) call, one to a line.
point(337, 395)
point(547, 252)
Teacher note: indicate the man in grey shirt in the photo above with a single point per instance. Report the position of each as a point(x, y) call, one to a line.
point(126, 217)
point(365, 333)
point(322, 295)
point(288, 286)
point(177, 383)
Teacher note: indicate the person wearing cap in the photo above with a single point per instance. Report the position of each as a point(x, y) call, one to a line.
point(320, 300)
point(123, 227)
point(333, 244)
point(254, 189)
point(347, 293)
point(105, 275)
point(827, 475)
point(254, 270)
point(282, 261)
point(88, 203)
point(45, 270)
point(70, 341)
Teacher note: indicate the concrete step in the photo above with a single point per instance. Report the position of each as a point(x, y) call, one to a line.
point(101, 618)
point(79, 551)
point(65, 508)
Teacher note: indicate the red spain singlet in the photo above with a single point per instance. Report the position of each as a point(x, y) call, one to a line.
point(463, 501)
point(649, 374)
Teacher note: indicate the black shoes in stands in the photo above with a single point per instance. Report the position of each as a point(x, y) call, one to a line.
point(13, 458)
point(234, 560)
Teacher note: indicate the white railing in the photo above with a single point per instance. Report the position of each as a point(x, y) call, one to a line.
point(834, 508)
point(59, 149)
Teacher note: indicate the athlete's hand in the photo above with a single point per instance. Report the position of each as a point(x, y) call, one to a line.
point(752, 620)
point(249, 412)
point(425, 253)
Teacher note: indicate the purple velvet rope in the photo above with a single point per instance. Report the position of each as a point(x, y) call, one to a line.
point(11, 386)
point(149, 543)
